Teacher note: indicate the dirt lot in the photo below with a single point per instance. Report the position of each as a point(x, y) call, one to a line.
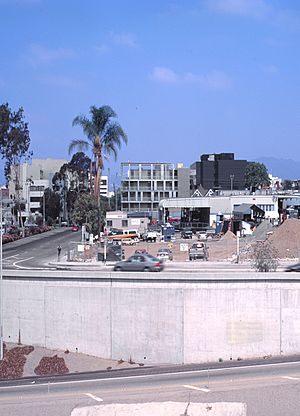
point(223, 249)
point(285, 238)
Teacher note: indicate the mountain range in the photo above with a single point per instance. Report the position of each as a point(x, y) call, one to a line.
point(283, 168)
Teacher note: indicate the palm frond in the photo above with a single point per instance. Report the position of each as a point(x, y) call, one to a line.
point(113, 138)
point(110, 149)
point(101, 117)
point(114, 133)
point(87, 126)
point(78, 144)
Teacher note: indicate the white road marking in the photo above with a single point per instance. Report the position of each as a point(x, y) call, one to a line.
point(188, 386)
point(98, 399)
point(291, 378)
point(20, 261)
point(139, 376)
point(10, 257)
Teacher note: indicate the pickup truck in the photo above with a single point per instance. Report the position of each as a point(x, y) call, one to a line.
point(151, 236)
point(198, 251)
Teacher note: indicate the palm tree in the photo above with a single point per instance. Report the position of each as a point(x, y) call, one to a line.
point(104, 139)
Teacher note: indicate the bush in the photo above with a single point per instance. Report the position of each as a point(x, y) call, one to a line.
point(50, 221)
point(265, 257)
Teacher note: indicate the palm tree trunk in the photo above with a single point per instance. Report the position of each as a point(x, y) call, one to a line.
point(91, 176)
point(97, 183)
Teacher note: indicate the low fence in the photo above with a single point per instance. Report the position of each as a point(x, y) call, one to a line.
point(99, 251)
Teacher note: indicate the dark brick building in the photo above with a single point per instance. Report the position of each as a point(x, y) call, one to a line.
point(220, 171)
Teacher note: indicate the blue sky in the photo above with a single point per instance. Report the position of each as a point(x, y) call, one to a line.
point(185, 77)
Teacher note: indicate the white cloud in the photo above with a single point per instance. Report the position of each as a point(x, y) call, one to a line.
point(124, 39)
point(39, 54)
point(253, 8)
point(163, 74)
point(212, 80)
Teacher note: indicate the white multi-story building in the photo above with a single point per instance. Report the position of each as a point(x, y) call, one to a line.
point(144, 185)
point(32, 180)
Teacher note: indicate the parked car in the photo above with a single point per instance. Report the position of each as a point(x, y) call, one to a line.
point(187, 234)
point(202, 236)
point(139, 263)
point(151, 236)
point(140, 251)
point(75, 228)
point(293, 268)
point(198, 251)
point(165, 254)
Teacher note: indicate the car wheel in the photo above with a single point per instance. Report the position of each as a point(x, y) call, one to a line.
point(118, 269)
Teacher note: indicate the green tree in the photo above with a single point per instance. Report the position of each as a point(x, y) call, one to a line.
point(71, 179)
point(14, 138)
point(265, 257)
point(85, 212)
point(104, 137)
point(287, 185)
point(79, 165)
point(14, 147)
point(256, 175)
point(52, 204)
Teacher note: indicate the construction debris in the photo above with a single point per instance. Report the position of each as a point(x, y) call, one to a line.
point(50, 366)
point(12, 365)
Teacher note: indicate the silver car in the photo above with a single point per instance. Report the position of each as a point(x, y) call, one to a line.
point(139, 263)
point(165, 254)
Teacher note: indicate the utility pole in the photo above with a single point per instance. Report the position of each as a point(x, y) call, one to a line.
point(1, 284)
point(108, 182)
point(44, 208)
point(116, 200)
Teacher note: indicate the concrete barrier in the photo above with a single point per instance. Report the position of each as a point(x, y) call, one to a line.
point(164, 409)
point(185, 320)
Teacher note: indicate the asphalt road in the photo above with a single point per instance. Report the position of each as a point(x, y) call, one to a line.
point(37, 251)
point(270, 389)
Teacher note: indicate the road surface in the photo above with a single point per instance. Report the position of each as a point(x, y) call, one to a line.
point(37, 251)
point(268, 390)
point(40, 252)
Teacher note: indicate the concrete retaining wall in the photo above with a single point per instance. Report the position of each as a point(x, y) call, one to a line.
point(156, 322)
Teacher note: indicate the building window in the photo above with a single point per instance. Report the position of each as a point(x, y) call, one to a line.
point(41, 174)
point(124, 223)
point(267, 207)
point(37, 188)
point(109, 223)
